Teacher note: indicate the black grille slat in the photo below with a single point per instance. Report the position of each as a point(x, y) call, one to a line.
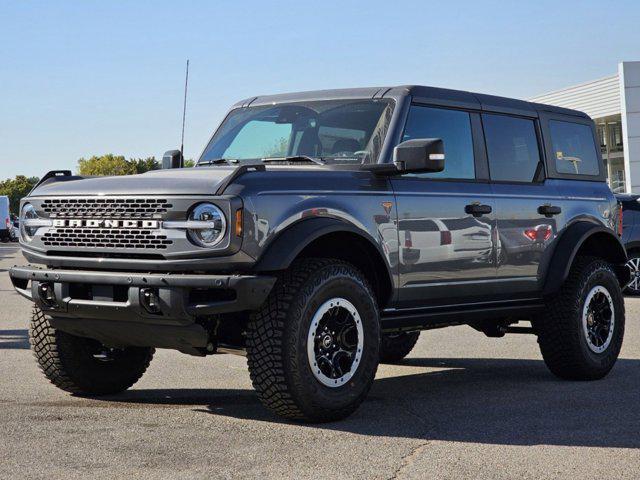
point(105, 238)
point(131, 208)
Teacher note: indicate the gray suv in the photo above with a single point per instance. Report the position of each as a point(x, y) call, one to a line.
point(319, 233)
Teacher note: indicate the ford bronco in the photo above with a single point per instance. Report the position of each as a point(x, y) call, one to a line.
point(319, 233)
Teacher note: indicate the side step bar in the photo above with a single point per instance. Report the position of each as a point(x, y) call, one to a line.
point(438, 317)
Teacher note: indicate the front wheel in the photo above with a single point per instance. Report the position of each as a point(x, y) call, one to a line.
point(581, 336)
point(313, 348)
point(82, 365)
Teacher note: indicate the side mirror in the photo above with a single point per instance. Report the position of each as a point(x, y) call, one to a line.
point(419, 155)
point(172, 159)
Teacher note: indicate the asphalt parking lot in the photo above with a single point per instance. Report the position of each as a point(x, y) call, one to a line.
point(461, 406)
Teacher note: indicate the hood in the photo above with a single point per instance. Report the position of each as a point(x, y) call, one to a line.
point(179, 181)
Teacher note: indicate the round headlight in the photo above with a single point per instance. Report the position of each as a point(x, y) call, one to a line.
point(28, 213)
point(213, 226)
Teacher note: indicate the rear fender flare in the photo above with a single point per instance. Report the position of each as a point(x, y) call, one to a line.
point(570, 243)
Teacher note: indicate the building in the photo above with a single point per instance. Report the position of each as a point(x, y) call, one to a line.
point(614, 104)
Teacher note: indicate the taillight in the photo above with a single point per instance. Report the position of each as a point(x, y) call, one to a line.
point(8, 223)
point(620, 215)
point(407, 240)
point(445, 237)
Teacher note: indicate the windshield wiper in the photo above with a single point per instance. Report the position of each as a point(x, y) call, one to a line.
point(217, 161)
point(295, 158)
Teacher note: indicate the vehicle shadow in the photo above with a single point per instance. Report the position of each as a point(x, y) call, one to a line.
point(14, 339)
point(494, 401)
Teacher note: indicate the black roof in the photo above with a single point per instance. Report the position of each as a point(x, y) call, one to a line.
point(433, 95)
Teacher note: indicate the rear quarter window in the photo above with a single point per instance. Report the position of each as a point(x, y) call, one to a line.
point(574, 149)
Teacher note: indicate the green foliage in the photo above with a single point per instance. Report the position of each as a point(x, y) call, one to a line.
point(110, 164)
point(189, 162)
point(106, 165)
point(16, 189)
point(279, 148)
point(145, 164)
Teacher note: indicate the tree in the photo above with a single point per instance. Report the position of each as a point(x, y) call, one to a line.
point(188, 163)
point(106, 165)
point(16, 189)
point(279, 148)
point(145, 164)
point(110, 164)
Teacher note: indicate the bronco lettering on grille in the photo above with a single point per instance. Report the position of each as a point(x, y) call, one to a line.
point(98, 223)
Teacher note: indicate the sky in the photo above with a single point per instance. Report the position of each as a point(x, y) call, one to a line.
point(92, 77)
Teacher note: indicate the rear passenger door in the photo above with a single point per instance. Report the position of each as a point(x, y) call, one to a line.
point(524, 231)
point(446, 250)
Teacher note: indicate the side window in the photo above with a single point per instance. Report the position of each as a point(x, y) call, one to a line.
point(573, 148)
point(512, 147)
point(454, 128)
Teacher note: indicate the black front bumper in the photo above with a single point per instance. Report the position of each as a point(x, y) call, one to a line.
point(181, 298)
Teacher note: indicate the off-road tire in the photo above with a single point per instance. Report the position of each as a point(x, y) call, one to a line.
point(277, 342)
point(562, 341)
point(394, 347)
point(68, 361)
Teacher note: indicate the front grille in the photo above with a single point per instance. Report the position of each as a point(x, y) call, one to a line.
point(130, 208)
point(105, 238)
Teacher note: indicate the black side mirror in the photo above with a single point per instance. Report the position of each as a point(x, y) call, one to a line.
point(172, 159)
point(419, 155)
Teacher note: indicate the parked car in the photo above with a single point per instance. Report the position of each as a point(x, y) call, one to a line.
point(631, 238)
point(319, 233)
point(15, 228)
point(6, 227)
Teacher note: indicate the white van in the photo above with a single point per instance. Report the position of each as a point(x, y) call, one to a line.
point(6, 226)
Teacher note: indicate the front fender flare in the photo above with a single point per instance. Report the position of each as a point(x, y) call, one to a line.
point(281, 252)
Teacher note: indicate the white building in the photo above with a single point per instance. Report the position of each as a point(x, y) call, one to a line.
point(614, 104)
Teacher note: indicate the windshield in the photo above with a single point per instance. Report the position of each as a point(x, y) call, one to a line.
point(334, 131)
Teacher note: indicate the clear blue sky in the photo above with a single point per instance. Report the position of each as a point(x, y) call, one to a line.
point(91, 77)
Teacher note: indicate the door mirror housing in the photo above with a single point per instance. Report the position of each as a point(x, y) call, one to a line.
point(419, 155)
point(172, 159)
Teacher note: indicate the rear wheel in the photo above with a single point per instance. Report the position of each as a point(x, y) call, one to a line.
point(581, 336)
point(634, 268)
point(313, 349)
point(82, 365)
point(395, 346)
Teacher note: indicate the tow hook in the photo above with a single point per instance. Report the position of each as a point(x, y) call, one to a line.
point(150, 300)
point(47, 294)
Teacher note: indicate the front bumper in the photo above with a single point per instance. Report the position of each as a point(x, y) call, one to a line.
point(120, 296)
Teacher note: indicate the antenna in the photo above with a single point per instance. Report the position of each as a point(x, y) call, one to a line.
point(184, 114)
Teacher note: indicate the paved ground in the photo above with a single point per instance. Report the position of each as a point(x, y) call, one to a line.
point(461, 406)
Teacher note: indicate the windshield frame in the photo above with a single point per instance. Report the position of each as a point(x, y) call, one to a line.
point(384, 152)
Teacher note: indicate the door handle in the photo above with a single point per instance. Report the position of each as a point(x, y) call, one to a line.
point(477, 209)
point(549, 210)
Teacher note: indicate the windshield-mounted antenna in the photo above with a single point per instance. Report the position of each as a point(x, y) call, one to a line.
point(184, 114)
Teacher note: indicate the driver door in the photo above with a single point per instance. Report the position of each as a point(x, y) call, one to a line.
point(446, 222)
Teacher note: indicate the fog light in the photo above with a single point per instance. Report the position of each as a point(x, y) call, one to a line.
point(47, 295)
point(150, 300)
